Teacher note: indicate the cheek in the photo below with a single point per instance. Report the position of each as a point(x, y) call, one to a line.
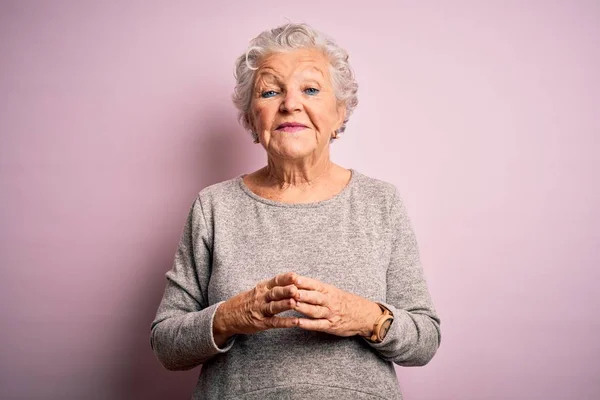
point(263, 117)
point(257, 118)
point(324, 116)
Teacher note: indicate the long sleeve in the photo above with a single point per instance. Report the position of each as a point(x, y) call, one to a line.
point(182, 332)
point(414, 336)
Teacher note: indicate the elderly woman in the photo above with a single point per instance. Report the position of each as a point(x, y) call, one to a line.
point(302, 279)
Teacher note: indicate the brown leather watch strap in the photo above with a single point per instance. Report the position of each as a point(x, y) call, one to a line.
point(387, 315)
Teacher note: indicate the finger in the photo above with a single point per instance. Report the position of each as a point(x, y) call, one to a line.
point(321, 325)
point(282, 280)
point(281, 292)
point(275, 307)
point(280, 322)
point(304, 282)
point(312, 311)
point(312, 297)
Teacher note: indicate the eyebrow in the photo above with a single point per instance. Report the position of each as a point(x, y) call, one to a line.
point(269, 72)
point(266, 73)
point(316, 69)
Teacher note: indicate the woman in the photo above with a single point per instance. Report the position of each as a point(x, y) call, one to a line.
point(301, 279)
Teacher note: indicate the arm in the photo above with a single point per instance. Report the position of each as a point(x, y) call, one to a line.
point(414, 336)
point(182, 332)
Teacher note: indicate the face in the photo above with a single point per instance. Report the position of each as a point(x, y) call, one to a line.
point(294, 110)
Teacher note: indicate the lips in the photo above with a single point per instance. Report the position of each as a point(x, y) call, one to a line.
point(291, 127)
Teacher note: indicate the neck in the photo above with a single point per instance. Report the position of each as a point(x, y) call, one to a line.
point(288, 173)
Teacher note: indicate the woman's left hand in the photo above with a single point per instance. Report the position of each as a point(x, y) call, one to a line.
point(333, 310)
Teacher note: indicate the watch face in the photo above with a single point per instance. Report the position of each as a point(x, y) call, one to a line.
point(385, 327)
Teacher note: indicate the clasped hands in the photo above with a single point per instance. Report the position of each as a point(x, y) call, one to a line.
point(326, 309)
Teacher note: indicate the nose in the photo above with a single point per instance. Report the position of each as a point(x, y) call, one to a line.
point(291, 102)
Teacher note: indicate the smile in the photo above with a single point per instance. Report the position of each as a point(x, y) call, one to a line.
point(291, 127)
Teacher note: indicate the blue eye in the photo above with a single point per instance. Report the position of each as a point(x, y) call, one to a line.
point(268, 93)
point(311, 91)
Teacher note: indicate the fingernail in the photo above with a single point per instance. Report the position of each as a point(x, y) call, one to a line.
point(298, 304)
point(298, 281)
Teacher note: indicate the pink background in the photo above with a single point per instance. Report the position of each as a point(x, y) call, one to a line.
point(114, 114)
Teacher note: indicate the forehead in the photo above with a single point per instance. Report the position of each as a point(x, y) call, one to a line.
point(287, 64)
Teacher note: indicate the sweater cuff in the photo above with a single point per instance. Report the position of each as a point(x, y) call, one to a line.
point(209, 313)
point(398, 330)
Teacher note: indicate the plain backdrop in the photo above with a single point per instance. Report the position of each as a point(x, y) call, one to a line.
point(485, 114)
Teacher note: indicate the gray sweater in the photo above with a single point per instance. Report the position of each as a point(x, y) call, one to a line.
point(361, 241)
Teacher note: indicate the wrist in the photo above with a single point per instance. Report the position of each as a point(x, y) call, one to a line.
point(372, 315)
point(221, 328)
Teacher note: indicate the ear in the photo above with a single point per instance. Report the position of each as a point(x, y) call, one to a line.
point(341, 111)
point(248, 121)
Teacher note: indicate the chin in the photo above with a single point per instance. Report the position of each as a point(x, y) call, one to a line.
point(295, 148)
point(296, 152)
point(295, 155)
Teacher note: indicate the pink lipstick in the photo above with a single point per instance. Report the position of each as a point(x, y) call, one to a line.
point(291, 127)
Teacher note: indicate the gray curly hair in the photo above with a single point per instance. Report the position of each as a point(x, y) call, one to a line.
point(286, 38)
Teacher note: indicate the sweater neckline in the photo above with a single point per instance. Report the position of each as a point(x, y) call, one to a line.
point(338, 196)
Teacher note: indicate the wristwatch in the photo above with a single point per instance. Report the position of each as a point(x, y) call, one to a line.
point(382, 325)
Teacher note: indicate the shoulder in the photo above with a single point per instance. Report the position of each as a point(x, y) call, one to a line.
point(387, 207)
point(376, 191)
point(223, 197)
point(219, 191)
point(220, 195)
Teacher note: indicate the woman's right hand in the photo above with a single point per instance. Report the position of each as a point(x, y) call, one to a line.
point(255, 310)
